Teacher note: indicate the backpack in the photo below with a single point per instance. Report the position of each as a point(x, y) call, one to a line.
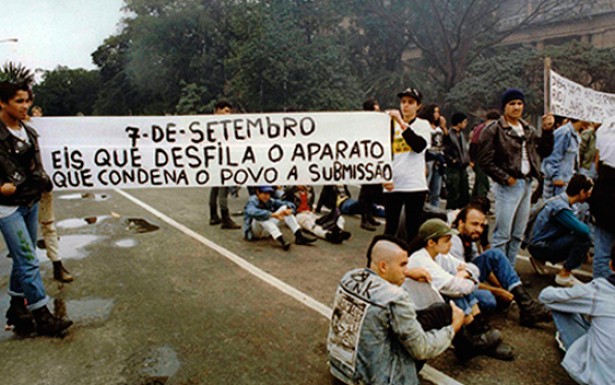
point(527, 234)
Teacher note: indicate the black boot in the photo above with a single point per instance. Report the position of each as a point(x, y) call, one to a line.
point(334, 236)
point(282, 241)
point(366, 225)
point(302, 239)
point(530, 311)
point(49, 325)
point(214, 219)
point(488, 341)
point(60, 273)
point(372, 221)
point(468, 345)
point(20, 317)
point(227, 222)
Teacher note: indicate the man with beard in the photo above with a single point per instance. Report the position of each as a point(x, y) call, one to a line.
point(496, 273)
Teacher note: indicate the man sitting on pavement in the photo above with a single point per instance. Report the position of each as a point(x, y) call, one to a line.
point(585, 319)
point(497, 275)
point(329, 227)
point(376, 336)
point(263, 214)
point(457, 280)
point(558, 235)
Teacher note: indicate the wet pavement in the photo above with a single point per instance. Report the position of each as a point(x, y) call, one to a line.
point(153, 305)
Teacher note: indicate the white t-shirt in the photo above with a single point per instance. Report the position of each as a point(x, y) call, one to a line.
point(605, 144)
point(525, 159)
point(409, 166)
point(443, 270)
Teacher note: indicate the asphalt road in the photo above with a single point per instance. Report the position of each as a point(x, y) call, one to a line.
point(169, 305)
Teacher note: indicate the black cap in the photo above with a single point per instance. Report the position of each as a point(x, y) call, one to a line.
point(413, 93)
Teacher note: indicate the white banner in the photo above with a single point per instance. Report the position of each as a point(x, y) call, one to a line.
point(216, 150)
point(572, 100)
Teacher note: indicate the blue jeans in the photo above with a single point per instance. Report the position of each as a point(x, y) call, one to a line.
point(494, 261)
point(486, 301)
point(512, 211)
point(466, 302)
point(570, 248)
point(571, 326)
point(19, 231)
point(603, 243)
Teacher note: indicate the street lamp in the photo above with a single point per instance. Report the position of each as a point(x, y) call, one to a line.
point(10, 40)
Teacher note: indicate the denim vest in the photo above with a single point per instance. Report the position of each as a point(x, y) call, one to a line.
point(546, 228)
point(374, 337)
point(562, 162)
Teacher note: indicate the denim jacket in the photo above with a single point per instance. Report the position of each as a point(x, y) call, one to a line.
point(255, 209)
point(546, 228)
point(589, 360)
point(561, 164)
point(374, 336)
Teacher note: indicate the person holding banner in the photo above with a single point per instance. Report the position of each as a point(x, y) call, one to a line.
point(220, 194)
point(408, 189)
point(22, 181)
point(509, 151)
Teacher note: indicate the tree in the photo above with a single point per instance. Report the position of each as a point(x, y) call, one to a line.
point(66, 92)
point(286, 57)
point(524, 69)
point(450, 35)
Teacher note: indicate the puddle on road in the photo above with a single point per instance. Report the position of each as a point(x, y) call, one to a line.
point(75, 223)
point(84, 311)
point(140, 225)
point(152, 366)
point(81, 312)
point(71, 246)
point(95, 197)
point(125, 243)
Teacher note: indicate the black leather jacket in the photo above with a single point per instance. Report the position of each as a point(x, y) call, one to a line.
point(30, 180)
point(499, 150)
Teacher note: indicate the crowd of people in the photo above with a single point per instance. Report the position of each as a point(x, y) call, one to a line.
point(435, 288)
point(436, 273)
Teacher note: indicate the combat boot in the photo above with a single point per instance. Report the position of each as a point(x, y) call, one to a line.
point(302, 239)
point(214, 219)
point(49, 325)
point(227, 222)
point(19, 317)
point(530, 311)
point(283, 242)
point(60, 273)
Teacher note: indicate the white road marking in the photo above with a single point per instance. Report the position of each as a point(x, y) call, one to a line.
point(428, 372)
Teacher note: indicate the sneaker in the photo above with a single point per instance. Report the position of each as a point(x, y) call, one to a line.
point(560, 343)
point(539, 266)
point(568, 281)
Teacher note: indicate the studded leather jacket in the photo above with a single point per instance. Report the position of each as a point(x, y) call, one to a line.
point(21, 165)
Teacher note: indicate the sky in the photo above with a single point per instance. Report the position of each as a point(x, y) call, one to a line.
point(56, 32)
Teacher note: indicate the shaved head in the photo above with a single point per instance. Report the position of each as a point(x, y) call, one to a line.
point(389, 261)
point(385, 251)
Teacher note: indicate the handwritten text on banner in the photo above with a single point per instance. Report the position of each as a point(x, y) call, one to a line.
point(572, 100)
point(216, 150)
